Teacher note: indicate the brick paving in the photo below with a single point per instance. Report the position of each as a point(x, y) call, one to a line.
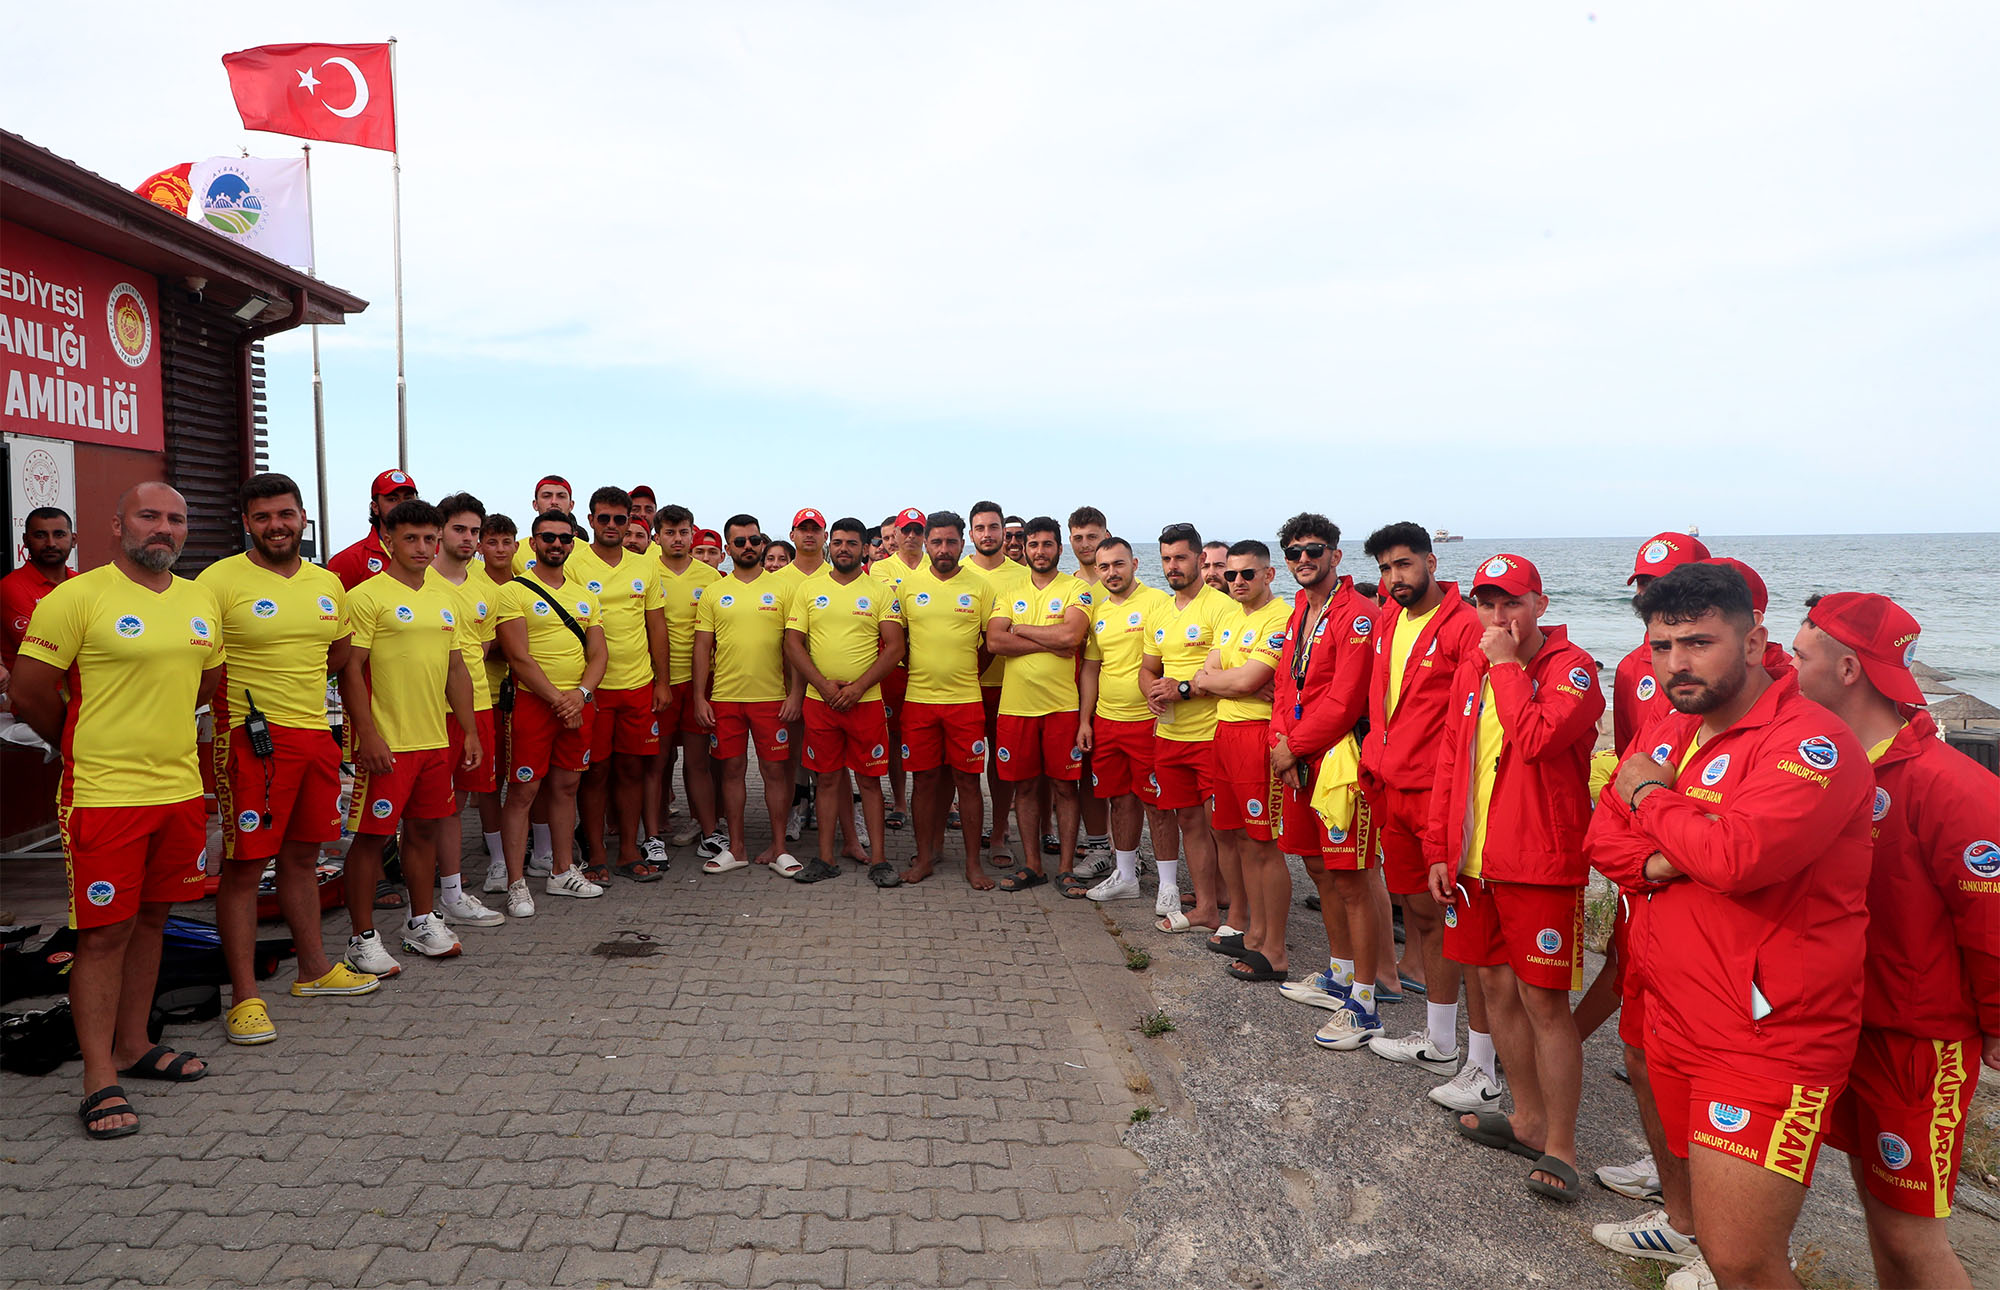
point(826, 1085)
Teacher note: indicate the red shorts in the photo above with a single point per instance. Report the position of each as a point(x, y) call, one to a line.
point(1631, 996)
point(538, 741)
point(484, 776)
point(1034, 746)
point(894, 687)
point(417, 787)
point(1400, 818)
point(1180, 774)
point(677, 718)
point(1247, 795)
point(935, 734)
point(1752, 1117)
point(624, 724)
point(1121, 756)
point(1903, 1117)
point(120, 856)
point(1533, 929)
point(739, 726)
point(856, 740)
point(989, 703)
point(300, 804)
point(1352, 849)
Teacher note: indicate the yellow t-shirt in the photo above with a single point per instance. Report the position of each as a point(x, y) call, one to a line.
point(1253, 638)
point(476, 606)
point(1401, 642)
point(278, 630)
point(1037, 684)
point(681, 593)
point(524, 556)
point(551, 643)
point(624, 594)
point(843, 626)
point(890, 570)
point(1485, 765)
point(1874, 754)
point(1117, 640)
point(748, 622)
point(410, 637)
point(1180, 637)
point(1002, 580)
point(494, 660)
point(135, 659)
point(946, 618)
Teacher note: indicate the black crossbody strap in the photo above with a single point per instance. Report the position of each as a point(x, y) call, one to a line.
point(548, 598)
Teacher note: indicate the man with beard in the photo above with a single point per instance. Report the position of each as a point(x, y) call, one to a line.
point(552, 493)
point(843, 635)
point(1742, 820)
point(987, 532)
point(286, 624)
point(639, 533)
point(364, 559)
point(1214, 559)
point(460, 567)
point(681, 585)
point(903, 554)
point(49, 536)
point(1014, 539)
point(112, 668)
point(1114, 726)
point(1037, 625)
point(1088, 528)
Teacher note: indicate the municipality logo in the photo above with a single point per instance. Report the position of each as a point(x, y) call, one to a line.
point(130, 625)
point(596, 587)
point(264, 608)
point(1727, 1118)
point(1020, 606)
point(524, 773)
point(1451, 915)
point(1098, 627)
point(1548, 940)
point(247, 821)
point(1645, 690)
point(130, 323)
point(231, 203)
point(1663, 752)
point(541, 607)
point(923, 598)
point(404, 614)
point(100, 893)
point(375, 565)
point(380, 808)
point(726, 601)
point(1005, 755)
point(821, 602)
point(1712, 773)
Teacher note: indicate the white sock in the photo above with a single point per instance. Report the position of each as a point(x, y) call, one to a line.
point(494, 849)
point(1343, 970)
point(453, 887)
point(1170, 873)
point(1364, 996)
point(1442, 1021)
point(1128, 865)
point(417, 922)
point(1098, 840)
point(543, 848)
point(1479, 1051)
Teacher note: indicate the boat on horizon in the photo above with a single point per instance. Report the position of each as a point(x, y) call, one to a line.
point(1446, 535)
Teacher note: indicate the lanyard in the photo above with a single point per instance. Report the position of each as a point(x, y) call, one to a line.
point(1302, 653)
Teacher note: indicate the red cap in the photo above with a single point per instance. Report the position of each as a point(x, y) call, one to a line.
point(1511, 574)
point(910, 515)
point(389, 481)
point(1760, 595)
point(1881, 632)
point(1665, 551)
point(706, 537)
point(554, 479)
point(641, 490)
point(808, 514)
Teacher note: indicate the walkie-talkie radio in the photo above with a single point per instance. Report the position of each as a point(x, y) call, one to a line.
point(258, 729)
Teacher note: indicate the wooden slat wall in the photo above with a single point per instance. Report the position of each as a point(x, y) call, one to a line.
point(204, 452)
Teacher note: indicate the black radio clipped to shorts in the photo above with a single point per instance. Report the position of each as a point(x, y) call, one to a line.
point(258, 729)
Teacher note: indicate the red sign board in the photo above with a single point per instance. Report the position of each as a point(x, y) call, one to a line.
point(79, 345)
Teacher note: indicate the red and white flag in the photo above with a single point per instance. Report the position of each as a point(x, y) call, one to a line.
point(338, 93)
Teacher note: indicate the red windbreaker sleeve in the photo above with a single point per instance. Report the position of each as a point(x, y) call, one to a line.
point(1615, 847)
point(1959, 826)
point(1539, 722)
point(1454, 764)
point(1345, 702)
point(1784, 827)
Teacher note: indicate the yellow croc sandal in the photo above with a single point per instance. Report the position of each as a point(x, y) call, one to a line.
point(340, 979)
point(250, 1023)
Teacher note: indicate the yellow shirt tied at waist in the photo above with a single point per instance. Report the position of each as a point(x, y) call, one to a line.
point(279, 630)
point(1034, 685)
point(1337, 789)
point(551, 643)
point(748, 622)
point(1181, 637)
point(1117, 641)
point(410, 637)
point(1253, 638)
point(624, 594)
point(947, 619)
point(843, 627)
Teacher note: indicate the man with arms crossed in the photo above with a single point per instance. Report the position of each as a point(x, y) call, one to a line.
point(112, 667)
point(1743, 820)
point(287, 632)
point(1115, 727)
point(459, 566)
point(498, 537)
point(1087, 528)
point(903, 542)
point(987, 533)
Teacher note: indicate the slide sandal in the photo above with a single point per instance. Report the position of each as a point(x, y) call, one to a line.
point(1493, 1129)
point(1557, 1167)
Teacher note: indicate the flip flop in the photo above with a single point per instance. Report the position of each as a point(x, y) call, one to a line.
point(1252, 966)
point(93, 1110)
point(1494, 1130)
point(1176, 923)
point(1071, 886)
point(787, 865)
point(1414, 987)
point(1560, 1168)
point(1020, 880)
point(174, 1072)
point(641, 871)
point(896, 820)
point(723, 863)
point(388, 895)
point(598, 873)
point(884, 875)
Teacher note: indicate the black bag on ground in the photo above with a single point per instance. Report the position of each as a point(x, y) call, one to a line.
point(35, 1043)
point(29, 974)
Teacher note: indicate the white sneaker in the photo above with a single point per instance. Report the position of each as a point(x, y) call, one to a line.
point(1319, 990)
point(1349, 1029)
point(653, 852)
point(496, 876)
point(1695, 1276)
point(540, 866)
point(366, 954)
point(520, 904)
point(1168, 901)
point(431, 938)
point(1649, 1236)
point(1415, 1049)
point(795, 823)
point(1468, 1091)
point(1115, 888)
point(686, 833)
point(713, 845)
point(1639, 1180)
point(470, 910)
point(1095, 864)
point(571, 882)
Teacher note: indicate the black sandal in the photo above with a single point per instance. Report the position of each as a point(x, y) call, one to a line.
point(1021, 879)
point(1252, 966)
point(1071, 886)
point(1230, 946)
point(93, 1109)
point(388, 895)
point(641, 871)
point(817, 870)
point(174, 1072)
point(884, 875)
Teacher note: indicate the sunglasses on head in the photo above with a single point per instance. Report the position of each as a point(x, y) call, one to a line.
point(555, 537)
point(1232, 575)
point(1306, 550)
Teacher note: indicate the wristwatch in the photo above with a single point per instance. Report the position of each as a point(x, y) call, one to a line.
point(584, 690)
point(1187, 691)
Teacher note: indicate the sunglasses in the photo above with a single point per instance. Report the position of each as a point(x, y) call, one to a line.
point(613, 519)
point(564, 538)
point(1232, 575)
point(752, 539)
point(1306, 550)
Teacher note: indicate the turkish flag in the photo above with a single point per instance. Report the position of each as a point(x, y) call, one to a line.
point(339, 93)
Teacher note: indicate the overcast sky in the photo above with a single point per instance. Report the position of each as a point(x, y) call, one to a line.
point(1513, 270)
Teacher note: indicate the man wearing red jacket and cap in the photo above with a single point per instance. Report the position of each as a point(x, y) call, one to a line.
point(1930, 1009)
point(1742, 820)
point(368, 557)
point(1505, 845)
point(1636, 701)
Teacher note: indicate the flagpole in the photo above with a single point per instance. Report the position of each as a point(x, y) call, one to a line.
point(319, 388)
point(396, 244)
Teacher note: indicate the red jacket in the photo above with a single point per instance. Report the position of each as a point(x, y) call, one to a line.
point(1769, 826)
point(1637, 700)
point(1401, 752)
point(1933, 966)
point(360, 562)
point(20, 592)
point(1541, 790)
point(1335, 693)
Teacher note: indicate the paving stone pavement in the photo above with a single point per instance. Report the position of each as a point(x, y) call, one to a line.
point(826, 1085)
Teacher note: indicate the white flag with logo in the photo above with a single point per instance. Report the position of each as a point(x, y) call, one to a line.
point(257, 201)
